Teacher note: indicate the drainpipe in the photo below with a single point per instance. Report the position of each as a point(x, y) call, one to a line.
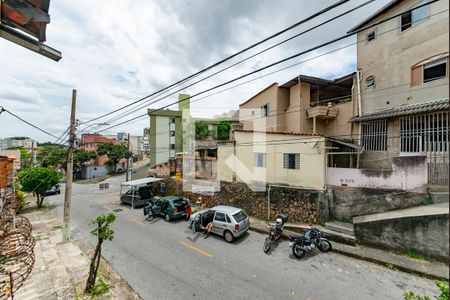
point(358, 80)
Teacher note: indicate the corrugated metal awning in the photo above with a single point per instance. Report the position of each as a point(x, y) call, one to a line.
point(404, 110)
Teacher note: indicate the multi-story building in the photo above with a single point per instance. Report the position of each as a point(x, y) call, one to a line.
point(403, 79)
point(304, 104)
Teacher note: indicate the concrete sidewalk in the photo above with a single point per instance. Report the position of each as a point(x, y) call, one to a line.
point(60, 270)
point(430, 269)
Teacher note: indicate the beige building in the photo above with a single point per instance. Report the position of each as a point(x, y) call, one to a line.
point(260, 158)
point(403, 79)
point(304, 104)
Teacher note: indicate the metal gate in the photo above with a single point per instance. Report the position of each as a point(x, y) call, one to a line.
point(428, 134)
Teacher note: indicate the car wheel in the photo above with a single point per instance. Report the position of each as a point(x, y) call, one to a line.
point(167, 217)
point(228, 236)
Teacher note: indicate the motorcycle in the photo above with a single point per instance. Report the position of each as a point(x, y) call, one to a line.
point(275, 232)
point(310, 241)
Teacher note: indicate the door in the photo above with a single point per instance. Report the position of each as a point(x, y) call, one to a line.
point(219, 223)
point(164, 207)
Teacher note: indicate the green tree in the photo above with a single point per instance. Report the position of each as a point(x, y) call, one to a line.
point(25, 156)
point(80, 156)
point(114, 152)
point(201, 130)
point(38, 180)
point(223, 130)
point(52, 156)
point(103, 232)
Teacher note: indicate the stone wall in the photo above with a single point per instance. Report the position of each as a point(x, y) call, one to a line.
point(301, 205)
point(427, 235)
point(348, 202)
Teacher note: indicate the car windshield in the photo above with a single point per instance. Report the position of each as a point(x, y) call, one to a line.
point(240, 216)
point(179, 203)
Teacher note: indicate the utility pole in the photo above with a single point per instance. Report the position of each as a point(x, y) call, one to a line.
point(128, 159)
point(69, 170)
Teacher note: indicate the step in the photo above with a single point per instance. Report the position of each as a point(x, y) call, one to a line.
point(439, 197)
point(341, 227)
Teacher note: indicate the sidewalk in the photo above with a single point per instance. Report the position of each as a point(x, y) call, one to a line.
point(430, 269)
point(60, 270)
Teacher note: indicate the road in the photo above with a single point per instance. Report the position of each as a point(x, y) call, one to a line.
point(162, 260)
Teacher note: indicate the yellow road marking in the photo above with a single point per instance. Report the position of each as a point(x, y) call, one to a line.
point(196, 249)
point(137, 222)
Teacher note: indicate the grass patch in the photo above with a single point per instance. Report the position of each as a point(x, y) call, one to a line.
point(57, 227)
point(426, 201)
point(414, 255)
point(41, 236)
point(100, 288)
point(391, 266)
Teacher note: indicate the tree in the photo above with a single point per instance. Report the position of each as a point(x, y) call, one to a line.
point(52, 156)
point(80, 156)
point(223, 130)
point(103, 232)
point(38, 180)
point(114, 152)
point(25, 156)
point(201, 130)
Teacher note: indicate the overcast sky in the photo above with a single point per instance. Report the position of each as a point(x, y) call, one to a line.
point(116, 53)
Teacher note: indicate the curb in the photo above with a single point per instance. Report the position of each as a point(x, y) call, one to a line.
point(365, 258)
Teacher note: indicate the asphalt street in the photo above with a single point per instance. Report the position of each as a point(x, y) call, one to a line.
point(162, 260)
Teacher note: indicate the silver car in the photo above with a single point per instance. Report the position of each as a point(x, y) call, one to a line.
point(229, 222)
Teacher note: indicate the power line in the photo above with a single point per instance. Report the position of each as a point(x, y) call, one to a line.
point(286, 59)
point(25, 121)
point(337, 4)
point(241, 61)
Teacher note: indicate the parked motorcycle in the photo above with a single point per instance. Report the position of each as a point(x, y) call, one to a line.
point(308, 242)
point(275, 232)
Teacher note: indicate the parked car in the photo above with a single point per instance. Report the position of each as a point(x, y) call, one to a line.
point(172, 207)
point(139, 197)
point(53, 191)
point(229, 222)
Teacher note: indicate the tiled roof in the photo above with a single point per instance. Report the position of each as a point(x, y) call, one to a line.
point(404, 110)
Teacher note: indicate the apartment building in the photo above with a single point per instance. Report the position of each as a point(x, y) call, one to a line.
point(403, 79)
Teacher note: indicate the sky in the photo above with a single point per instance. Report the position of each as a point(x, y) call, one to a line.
point(115, 54)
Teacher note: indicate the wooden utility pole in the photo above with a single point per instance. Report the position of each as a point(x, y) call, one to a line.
point(128, 159)
point(69, 171)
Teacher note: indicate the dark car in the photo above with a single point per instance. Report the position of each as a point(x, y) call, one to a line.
point(53, 191)
point(139, 197)
point(172, 207)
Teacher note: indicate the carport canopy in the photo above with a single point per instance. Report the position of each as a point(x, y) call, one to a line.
point(141, 181)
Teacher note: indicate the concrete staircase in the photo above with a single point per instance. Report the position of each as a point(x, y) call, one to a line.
point(342, 227)
point(439, 194)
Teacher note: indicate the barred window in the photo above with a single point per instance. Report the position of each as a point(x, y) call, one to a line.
point(374, 135)
point(291, 161)
point(259, 160)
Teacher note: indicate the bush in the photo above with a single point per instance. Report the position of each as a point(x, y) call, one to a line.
point(443, 286)
point(21, 199)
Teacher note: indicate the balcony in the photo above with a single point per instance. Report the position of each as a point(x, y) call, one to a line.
point(322, 112)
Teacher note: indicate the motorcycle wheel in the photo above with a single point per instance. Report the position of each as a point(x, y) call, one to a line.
point(298, 251)
point(324, 246)
point(267, 245)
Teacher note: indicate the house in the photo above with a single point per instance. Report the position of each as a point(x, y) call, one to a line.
point(403, 87)
point(259, 158)
point(97, 167)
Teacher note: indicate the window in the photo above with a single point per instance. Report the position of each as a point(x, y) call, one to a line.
point(172, 120)
point(291, 161)
point(370, 81)
point(228, 219)
point(172, 133)
point(253, 113)
point(172, 146)
point(220, 217)
point(259, 160)
point(415, 17)
point(435, 70)
point(374, 135)
point(265, 110)
point(371, 36)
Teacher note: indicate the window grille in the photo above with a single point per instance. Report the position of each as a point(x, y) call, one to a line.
point(259, 160)
point(374, 135)
point(424, 133)
point(291, 160)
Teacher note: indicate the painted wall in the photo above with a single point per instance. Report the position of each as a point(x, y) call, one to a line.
point(312, 159)
point(391, 55)
point(408, 174)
